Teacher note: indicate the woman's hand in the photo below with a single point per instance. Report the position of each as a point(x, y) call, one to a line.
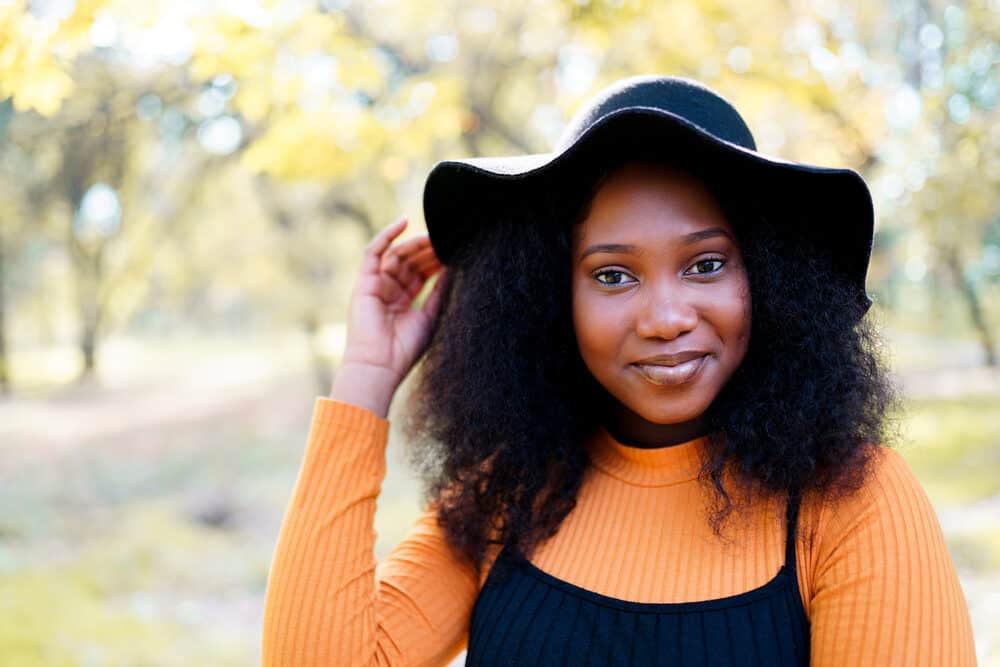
point(385, 336)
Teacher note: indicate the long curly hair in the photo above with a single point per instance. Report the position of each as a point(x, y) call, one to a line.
point(502, 401)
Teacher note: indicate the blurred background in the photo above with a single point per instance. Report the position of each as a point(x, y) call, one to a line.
point(186, 188)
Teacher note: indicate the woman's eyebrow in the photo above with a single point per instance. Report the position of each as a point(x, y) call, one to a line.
point(622, 248)
point(709, 233)
point(628, 249)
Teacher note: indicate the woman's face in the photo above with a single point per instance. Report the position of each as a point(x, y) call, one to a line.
point(661, 304)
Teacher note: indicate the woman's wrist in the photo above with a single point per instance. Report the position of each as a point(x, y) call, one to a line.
point(364, 385)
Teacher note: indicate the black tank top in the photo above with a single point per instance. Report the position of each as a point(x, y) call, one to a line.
point(528, 617)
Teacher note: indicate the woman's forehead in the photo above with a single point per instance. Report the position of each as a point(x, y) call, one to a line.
point(650, 200)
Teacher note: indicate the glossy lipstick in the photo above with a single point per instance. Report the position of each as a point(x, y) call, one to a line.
point(684, 369)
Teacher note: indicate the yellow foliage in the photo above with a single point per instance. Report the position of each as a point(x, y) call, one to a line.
point(226, 44)
point(254, 102)
point(41, 87)
point(28, 72)
point(359, 69)
point(73, 33)
point(145, 15)
point(36, 54)
point(336, 137)
point(315, 32)
point(300, 145)
point(431, 109)
point(282, 68)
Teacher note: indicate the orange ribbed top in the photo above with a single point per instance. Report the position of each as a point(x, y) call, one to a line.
point(874, 574)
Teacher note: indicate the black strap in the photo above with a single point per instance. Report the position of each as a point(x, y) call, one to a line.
point(792, 515)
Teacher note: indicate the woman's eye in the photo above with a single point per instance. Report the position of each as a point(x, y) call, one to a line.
point(616, 277)
point(707, 266)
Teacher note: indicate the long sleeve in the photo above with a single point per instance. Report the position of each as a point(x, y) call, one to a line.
point(328, 602)
point(885, 590)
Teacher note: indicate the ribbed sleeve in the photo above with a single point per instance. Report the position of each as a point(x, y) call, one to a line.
point(885, 589)
point(328, 602)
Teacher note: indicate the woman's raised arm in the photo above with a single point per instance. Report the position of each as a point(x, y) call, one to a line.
point(326, 603)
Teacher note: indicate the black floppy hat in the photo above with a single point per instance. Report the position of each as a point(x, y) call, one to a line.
point(677, 118)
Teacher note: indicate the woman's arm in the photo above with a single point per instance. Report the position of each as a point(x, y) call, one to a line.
point(327, 602)
point(885, 590)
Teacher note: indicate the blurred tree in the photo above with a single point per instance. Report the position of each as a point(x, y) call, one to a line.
point(32, 77)
point(6, 112)
point(951, 60)
point(92, 189)
point(355, 106)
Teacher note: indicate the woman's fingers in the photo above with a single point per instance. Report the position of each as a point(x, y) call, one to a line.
point(419, 267)
point(423, 266)
point(398, 270)
point(413, 251)
point(401, 277)
point(426, 262)
point(409, 247)
point(372, 258)
point(411, 263)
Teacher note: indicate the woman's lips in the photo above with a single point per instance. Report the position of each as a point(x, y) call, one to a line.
point(671, 375)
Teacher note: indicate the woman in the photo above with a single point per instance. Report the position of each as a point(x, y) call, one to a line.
point(651, 412)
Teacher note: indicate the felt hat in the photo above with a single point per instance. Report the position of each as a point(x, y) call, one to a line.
point(673, 117)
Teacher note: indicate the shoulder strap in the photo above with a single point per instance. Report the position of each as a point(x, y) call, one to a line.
point(792, 515)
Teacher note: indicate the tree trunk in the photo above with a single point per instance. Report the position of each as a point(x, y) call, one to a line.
point(974, 304)
point(4, 375)
point(90, 310)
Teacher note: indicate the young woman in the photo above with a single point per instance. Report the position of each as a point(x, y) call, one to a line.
point(651, 411)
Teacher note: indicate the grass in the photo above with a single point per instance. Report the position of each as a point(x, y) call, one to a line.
point(953, 446)
point(149, 589)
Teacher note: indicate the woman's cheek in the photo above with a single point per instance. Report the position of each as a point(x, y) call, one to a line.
point(596, 327)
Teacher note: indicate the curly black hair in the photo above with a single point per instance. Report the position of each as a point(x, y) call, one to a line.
point(502, 401)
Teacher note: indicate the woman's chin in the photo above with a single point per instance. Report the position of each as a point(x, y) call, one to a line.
point(656, 414)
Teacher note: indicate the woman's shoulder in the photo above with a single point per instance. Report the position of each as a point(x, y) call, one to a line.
point(890, 504)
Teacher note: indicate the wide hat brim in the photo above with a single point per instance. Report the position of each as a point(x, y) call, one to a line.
point(831, 206)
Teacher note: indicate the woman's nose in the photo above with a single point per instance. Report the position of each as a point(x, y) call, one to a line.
point(666, 313)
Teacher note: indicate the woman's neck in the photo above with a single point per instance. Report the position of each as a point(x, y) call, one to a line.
point(632, 430)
